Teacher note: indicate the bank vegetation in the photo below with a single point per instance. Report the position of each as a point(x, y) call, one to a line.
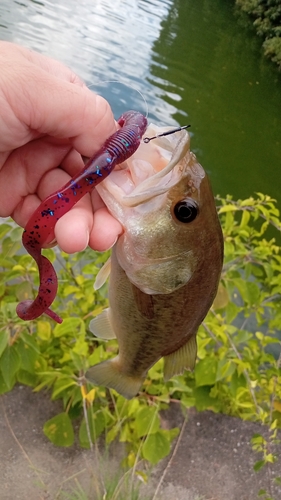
point(266, 16)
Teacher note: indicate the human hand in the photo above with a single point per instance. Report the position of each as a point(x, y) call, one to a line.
point(49, 118)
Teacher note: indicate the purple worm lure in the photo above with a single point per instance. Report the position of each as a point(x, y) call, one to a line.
point(116, 149)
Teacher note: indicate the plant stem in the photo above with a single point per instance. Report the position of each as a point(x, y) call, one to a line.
point(171, 459)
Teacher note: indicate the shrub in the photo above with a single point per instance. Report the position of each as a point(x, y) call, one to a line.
point(238, 367)
point(266, 15)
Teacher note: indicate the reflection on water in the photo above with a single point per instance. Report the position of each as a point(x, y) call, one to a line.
point(100, 40)
point(192, 61)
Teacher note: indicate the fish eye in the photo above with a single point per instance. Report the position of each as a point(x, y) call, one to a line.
point(186, 210)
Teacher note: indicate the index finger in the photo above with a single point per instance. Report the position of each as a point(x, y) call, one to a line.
point(49, 99)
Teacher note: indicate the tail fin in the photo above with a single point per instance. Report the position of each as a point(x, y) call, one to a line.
point(109, 374)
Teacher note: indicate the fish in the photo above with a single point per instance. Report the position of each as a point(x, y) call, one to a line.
point(164, 269)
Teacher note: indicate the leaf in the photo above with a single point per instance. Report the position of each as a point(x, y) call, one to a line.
point(90, 269)
point(258, 465)
point(68, 289)
point(277, 405)
point(201, 344)
point(70, 326)
point(206, 371)
point(97, 356)
point(4, 339)
point(6, 263)
point(80, 348)
point(243, 336)
point(270, 458)
point(44, 330)
point(59, 430)
point(4, 229)
point(133, 406)
point(232, 311)
point(242, 287)
point(27, 378)
point(9, 364)
point(222, 298)
point(24, 291)
point(228, 208)
point(257, 439)
point(112, 433)
point(237, 381)
point(250, 292)
point(147, 421)
point(274, 425)
point(246, 404)
point(30, 340)
point(50, 254)
point(3, 386)
point(187, 401)
point(155, 447)
point(244, 219)
point(253, 292)
point(142, 476)
point(80, 279)
point(225, 369)
point(131, 460)
point(171, 433)
point(125, 434)
point(78, 359)
point(90, 396)
point(61, 385)
point(97, 423)
point(270, 340)
point(28, 354)
point(203, 400)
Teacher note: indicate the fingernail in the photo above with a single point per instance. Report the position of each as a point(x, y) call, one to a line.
point(112, 243)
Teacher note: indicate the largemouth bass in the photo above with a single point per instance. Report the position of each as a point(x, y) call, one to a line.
point(165, 268)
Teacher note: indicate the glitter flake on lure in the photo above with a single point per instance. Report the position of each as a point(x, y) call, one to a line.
point(116, 149)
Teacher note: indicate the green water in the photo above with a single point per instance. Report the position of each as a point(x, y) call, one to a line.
point(231, 95)
point(195, 61)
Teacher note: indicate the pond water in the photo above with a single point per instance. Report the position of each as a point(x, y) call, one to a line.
point(194, 61)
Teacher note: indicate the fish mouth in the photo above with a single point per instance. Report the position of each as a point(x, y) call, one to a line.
point(150, 172)
point(140, 195)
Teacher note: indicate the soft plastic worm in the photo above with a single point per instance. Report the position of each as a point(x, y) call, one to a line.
point(118, 148)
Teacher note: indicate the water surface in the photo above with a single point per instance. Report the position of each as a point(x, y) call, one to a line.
point(194, 61)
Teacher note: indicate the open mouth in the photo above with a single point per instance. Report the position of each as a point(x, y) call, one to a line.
point(143, 165)
point(149, 172)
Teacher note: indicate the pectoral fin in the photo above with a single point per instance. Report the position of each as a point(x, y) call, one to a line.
point(101, 326)
point(180, 360)
point(109, 374)
point(103, 274)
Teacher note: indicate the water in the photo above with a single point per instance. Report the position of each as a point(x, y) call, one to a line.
point(194, 61)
